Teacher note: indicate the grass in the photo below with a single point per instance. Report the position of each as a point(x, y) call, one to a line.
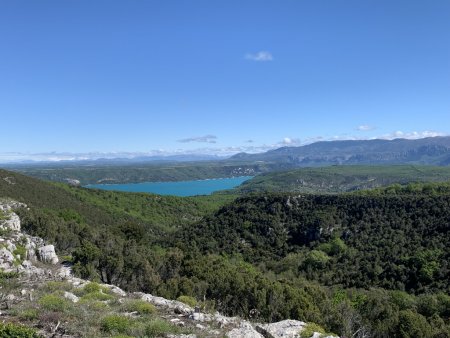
point(97, 314)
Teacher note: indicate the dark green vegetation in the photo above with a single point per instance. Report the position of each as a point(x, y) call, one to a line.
point(372, 262)
point(336, 179)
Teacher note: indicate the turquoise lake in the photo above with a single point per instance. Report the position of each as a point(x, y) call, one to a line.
point(182, 188)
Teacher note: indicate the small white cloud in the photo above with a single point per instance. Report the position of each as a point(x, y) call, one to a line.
point(202, 139)
point(259, 56)
point(365, 127)
point(413, 135)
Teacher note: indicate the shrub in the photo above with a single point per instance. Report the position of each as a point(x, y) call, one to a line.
point(158, 328)
point(97, 295)
point(140, 306)
point(317, 259)
point(92, 287)
point(309, 330)
point(53, 286)
point(53, 303)
point(17, 331)
point(412, 324)
point(94, 305)
point(8, 275)
point(29, 314)
point(21, 251)
point(188, 300)
point(115, 323)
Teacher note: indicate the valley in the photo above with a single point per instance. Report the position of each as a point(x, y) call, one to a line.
point(367, 263)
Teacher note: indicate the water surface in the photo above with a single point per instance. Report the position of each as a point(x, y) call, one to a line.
point(181, 188)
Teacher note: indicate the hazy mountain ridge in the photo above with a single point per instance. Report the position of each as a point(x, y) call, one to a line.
point(432, 150)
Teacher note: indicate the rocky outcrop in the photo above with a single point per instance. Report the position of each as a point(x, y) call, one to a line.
point(47, 254)
point(176, 306)
point(245, 330)
point(283, 329)
point(13, 222)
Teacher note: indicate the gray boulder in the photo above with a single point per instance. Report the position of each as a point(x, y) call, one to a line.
point(70, 296)
point(12, 223)
point(47, 254)
point(245, 330)
point(176, 306)
point(6, 256)
point(284, 329)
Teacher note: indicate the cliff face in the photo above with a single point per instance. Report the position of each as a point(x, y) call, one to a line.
point(40, 292)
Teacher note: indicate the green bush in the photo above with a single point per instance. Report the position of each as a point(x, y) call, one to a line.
point(21, 251)
point(115, 323)
point(53, 286)
point(97, 295)
point(158, 328)
point(412, 324)
point(93, 305)
point(92, 287)
point(140, 306)
point(29, 314)
point(11, 330)
point(54, 303)
point(317, 259)
point(188, 300)
point(8, 275)
point(309, 330)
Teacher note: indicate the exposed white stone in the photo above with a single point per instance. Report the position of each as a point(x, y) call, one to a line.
point(70, 296)
point(12, 223)
point(6, 256)
point(200, 317)
point(284, 329)
point(116, 290)
point(176, 306)
point(245, 330)
point(47, 254)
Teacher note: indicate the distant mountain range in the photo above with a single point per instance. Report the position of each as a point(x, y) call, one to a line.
point(106, 161)
point(432, 150)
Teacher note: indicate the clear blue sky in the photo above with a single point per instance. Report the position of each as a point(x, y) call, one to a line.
point(83, 76)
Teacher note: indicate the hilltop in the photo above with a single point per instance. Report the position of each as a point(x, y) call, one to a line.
point(344, 178)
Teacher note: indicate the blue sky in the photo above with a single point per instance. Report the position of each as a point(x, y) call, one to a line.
point(219, 76)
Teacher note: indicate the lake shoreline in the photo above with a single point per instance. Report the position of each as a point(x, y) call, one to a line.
point(176, 188)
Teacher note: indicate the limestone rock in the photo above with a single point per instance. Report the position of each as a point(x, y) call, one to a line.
point(284, 329)
point(70, 296)
point(10, 246)
point(116, 290)
point(176, 306)
point(6, 256)
point(12, 223)
point(47, 254)
point(245, 330)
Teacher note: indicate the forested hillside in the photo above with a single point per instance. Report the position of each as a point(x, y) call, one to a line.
point(343, 178)
point(363, 264)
